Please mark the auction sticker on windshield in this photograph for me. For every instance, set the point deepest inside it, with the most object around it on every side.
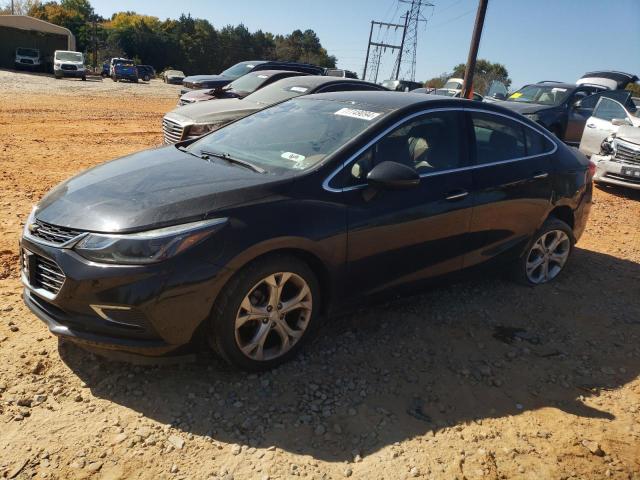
(356, 113)
(299, 89)
(294, 157)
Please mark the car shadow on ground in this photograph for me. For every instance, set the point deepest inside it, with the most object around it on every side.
(622, 192)
(408, 367)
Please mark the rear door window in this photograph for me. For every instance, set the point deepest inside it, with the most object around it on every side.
(497, 138)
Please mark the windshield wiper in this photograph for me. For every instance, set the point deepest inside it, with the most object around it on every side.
(184, 149)
(230, 159)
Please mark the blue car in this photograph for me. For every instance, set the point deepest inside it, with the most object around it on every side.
(122, 70)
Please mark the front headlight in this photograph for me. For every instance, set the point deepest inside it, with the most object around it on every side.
(146, 247)
(200, 129)
(532, 116)
(57, 64)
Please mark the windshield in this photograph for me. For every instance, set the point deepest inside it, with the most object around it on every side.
(453, 85)
(390, 84)
(176, 73)
(277, 92)
(444, 92)
(248, 83)
(239, 69)
(69, 56)
(27, 52)
(542, 94)
(294, 135)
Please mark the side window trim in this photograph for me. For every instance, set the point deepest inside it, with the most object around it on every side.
(326, 183)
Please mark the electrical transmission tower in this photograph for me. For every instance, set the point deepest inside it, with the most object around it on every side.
(380, 48)
(410, 39)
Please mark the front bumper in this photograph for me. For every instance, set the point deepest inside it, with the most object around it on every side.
(609, 171)
(150, 309)
(59, 72)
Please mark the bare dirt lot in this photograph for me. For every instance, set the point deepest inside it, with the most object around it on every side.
(416, 388)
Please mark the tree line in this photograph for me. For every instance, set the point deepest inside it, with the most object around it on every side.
(190, 44)
(484, 73)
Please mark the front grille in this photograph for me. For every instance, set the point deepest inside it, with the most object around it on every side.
(623, 178)
(42, 272)
(51, 233)
(69, 67)
(172, 131)
(26, 60)
(627, 154)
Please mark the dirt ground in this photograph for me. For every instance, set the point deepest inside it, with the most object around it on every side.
(416, 388)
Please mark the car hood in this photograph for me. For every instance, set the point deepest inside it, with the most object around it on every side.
(629, 133)
(150, 189)
(523, 108)
(209, 80)
(203, 112)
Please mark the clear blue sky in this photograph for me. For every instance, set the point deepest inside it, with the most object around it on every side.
(536, 40)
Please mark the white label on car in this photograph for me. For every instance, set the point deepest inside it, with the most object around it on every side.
(556, 89)
(356, 113)
(299, 89)
(263, 76)
(294, 157)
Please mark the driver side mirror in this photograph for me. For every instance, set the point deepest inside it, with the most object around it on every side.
(393, 176)
(499, 96)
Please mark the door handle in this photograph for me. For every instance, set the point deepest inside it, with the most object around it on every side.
(456, 194)
(591, 125)
(539, 175)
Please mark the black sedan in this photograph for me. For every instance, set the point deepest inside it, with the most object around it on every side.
(251, 234)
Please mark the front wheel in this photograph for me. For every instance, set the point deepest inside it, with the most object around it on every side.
(265, 313)
(547, 253)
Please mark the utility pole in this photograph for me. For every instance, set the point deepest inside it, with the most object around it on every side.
(13, 12)
(366, 60)
(404, 34)
(467, 85)
(380, 47)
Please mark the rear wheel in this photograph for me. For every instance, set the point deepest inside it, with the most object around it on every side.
(265, 313)
(84, 78)
(146, 78)
(547, 253)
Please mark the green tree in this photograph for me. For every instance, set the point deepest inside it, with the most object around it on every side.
(484, 73)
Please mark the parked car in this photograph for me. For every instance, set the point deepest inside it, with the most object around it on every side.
(249, 235)
(618, 161)
(191, 121)
(68, 64)
(117, 61)
(556, 106)
(610, 113)
(146, 72)
(173, 76)
(423, 90)
(445, 92)
(125, 71)
(338, 72)
(240, 87)
(401, 85)
(27, 59)
(104, 72)
(239, 69)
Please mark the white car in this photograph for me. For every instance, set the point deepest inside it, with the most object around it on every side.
(68, 64)
(27, 58)
(608, 115)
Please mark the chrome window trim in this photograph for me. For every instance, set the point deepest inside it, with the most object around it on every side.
(345, 164)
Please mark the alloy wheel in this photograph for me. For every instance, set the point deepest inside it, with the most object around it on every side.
(547, 256)
(273, 316)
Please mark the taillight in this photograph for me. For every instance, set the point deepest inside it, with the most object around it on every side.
(592, 168)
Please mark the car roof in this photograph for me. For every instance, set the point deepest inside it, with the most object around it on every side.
(314, 81)
(387, 100)
(275, 72)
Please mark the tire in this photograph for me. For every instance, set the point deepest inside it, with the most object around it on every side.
(543, 248)
(114, 78)
(84, 78)
(146, 78)
(228, 334)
